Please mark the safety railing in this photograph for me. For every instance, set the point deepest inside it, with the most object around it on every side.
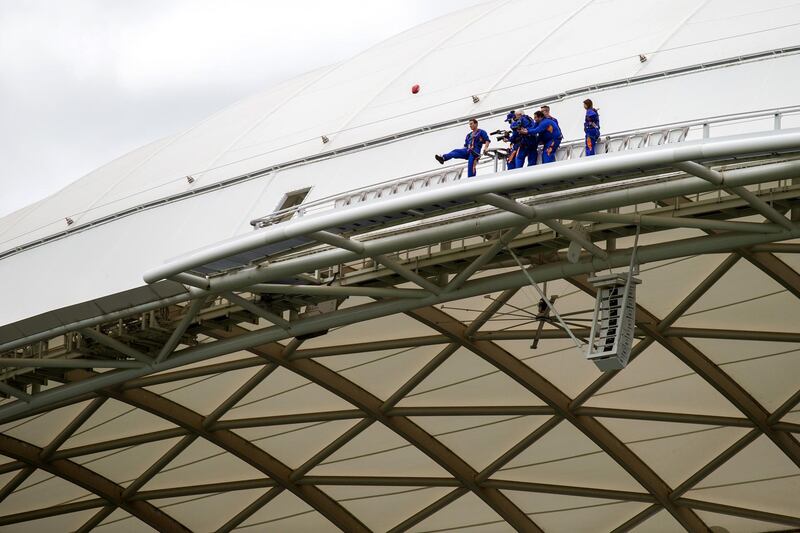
(676, 132)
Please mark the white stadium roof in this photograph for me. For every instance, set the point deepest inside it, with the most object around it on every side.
(363, 361)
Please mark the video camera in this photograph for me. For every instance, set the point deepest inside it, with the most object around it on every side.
(502, 135)
(514, 124)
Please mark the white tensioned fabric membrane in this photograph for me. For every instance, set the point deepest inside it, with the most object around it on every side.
(666, 412)
(506, 52)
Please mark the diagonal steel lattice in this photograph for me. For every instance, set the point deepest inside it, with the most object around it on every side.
(370, 409)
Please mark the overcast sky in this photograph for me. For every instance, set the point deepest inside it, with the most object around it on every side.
(85, 81)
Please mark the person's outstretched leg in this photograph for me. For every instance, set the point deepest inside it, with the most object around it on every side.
(458, 153)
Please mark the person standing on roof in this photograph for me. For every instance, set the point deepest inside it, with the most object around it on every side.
(522, 125)
(591, 126)
(476, 143)
(549, 135)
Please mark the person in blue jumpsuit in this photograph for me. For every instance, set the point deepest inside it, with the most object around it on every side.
(591, 126)
(522, 125)
(513, 140)
(549, 135)
(475, 143)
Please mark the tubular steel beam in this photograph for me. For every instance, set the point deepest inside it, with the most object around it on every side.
(237, 395)
(518, 448)
(718, 179)
(544, 390)
(424, 513)
(528, 213)
(637, 519)
(18, 479)
(483, 259)
(337, 290)
(577, 237)
(174, 451)
(678, 222)
(47, 512)
(95, 520)
(15, 392)
(330, 449)
(681, 418)
(733, 334)
(250, 510)
(35, 362)
(175, 338)
(700, 333)
(280, 420)
(405, 272)
(371, 346)
(257, 310)
(337, 241)
(116, 444)
(116, 345)
(777, 248)
(740, 512)
(206, 488)
(381, 481)
(487, 410)
(359, 248)
(715, 463)
(567, 490)
(775, 268)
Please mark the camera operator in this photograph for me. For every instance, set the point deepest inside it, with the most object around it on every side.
(522, 126)
(512, 138)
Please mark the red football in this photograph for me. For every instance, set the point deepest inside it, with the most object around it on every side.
(415, 89)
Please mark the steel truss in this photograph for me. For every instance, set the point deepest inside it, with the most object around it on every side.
(230, 311)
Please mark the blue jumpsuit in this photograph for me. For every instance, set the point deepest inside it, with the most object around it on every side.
(591, 126)
(550, 136)
(527, 145)
(473, 144)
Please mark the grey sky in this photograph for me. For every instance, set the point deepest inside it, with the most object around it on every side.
(85, 81)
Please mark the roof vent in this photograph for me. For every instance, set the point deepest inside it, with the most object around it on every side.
(190, 179)
(325, 139)
(642, 58)
(475, 99)
(69, 221)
